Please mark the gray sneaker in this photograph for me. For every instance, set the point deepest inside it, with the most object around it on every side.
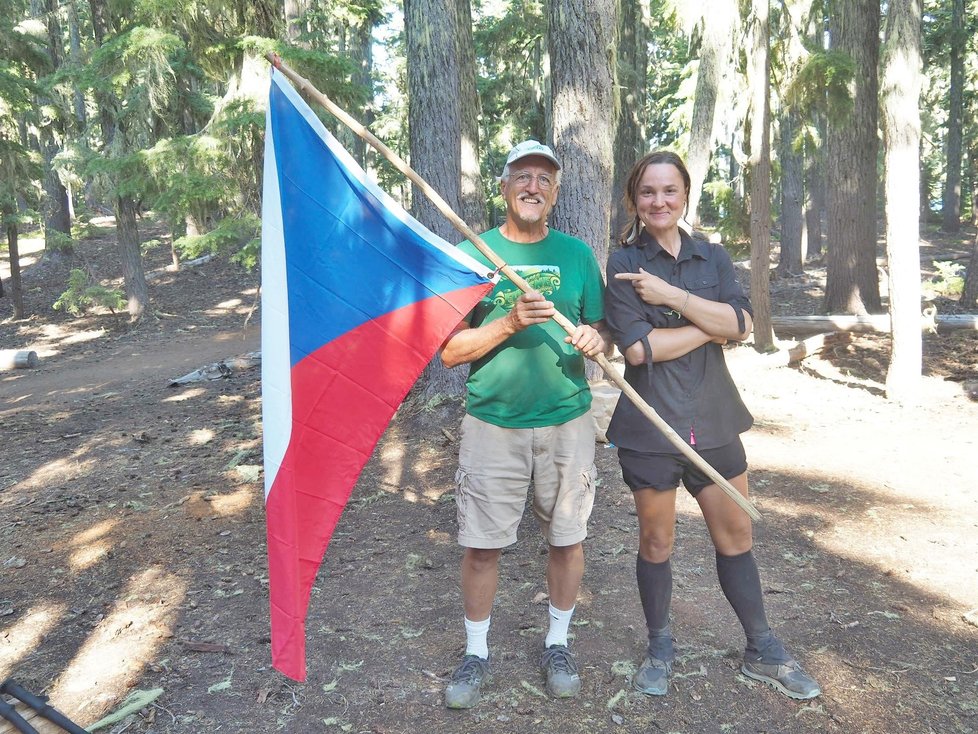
(788, 678)
(652, 677)
(563, 680)
(464, 689)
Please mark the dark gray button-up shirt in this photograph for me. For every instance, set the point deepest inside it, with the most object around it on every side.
(694, 393)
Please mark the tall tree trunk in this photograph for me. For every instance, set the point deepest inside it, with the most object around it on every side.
(293, 28)
(582, 36)
(792, 255)
(814, 198)
(473, 193)
(74, 44)
(16, 290)
(759, 173)
(361, 54)
(435, 133)
(951, 206)
(719, 24)
(57, 219)
(969, 297)
(127, 231)
(133, 275)
(902, 64)
(633, 59)
(852, 281)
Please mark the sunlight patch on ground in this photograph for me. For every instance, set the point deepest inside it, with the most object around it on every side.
(234, 305)
(200, 436)
(393, 459)
(194, 392)
(91, 545)
(233, 503)
(84, 336)
(117, 651)
(21, 638)
(30, 250)
(59, 471)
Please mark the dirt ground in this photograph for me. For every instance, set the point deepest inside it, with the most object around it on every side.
(132, 553)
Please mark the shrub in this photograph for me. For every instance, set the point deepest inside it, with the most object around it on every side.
(83, 294)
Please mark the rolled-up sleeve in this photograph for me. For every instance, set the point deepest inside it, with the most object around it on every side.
(624, 311)
(730, 290)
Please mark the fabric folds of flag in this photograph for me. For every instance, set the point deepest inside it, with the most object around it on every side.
(356, 299)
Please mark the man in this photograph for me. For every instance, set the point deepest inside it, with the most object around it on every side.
(527, 417)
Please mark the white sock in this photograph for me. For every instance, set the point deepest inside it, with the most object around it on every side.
(559, 622)
(476, 637)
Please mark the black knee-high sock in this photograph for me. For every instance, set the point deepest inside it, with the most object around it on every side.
(741, 584)
(655, 591)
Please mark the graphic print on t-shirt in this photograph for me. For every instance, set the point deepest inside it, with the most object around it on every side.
(544, 279)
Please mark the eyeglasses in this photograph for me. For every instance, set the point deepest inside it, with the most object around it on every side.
(544, 181)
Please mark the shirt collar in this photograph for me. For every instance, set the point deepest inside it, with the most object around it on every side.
(689, 248)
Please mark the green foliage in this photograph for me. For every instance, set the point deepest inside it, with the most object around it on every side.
(822, 85)
(230, 234)
(733, 221)
(510, 49)
(149, 246)
(84, 294)
(59, 241)
(669, 67)
(20, 174)
(948, 281)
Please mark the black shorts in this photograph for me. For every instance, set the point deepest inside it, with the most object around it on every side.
(663, 472)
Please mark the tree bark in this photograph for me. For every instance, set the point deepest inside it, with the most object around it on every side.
(55, 206)
(969, 297)
(127, 231)
(361, 54)
(16, 290)
(719, 24)
(435, 135)
(792, 251)
(74, 44)
(951, 206)
(293, 29)
(902, 64)
(581, 53)
(814, 199)
(759, 173)
(852, 281)
(133, 275)
(473, 192)
(632, 70)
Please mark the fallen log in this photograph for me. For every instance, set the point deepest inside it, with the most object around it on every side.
(746, 357)
(220, 370)
(878, 323)
(15, 359)
(170, 270)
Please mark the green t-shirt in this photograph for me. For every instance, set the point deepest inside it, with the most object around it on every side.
(534, 379)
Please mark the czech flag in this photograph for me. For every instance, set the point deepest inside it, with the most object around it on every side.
(356, 299)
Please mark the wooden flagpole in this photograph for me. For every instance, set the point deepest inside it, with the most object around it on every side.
(305, 87)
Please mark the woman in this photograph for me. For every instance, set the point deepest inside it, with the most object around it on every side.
(671, 303)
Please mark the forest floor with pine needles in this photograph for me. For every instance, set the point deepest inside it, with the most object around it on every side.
(132, 546)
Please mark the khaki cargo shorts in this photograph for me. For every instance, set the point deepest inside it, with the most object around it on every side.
(496, 467)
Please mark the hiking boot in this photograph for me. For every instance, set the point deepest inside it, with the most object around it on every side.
(561, 670)
(788, 678)
(652, 677)
(464, 689)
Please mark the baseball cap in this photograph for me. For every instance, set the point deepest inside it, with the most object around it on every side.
(532, 147)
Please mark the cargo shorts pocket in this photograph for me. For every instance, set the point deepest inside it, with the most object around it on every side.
(588, 477)
(461, 497)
